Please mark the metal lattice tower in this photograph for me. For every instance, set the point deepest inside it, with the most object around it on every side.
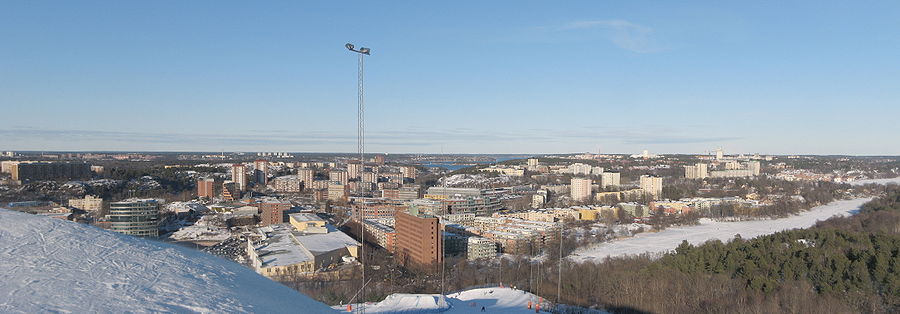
(360, 145)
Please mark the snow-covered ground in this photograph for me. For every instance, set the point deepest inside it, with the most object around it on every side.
(208, 228)
(494, 300)
(877, 181)
(666, 240)
(52, 265)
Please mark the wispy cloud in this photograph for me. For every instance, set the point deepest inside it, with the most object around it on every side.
(624, 34)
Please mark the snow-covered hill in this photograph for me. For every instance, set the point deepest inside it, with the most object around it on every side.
(51, 265)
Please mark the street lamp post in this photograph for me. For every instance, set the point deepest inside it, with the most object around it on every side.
(360, 145)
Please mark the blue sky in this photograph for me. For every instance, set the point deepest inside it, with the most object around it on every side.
(774, 77)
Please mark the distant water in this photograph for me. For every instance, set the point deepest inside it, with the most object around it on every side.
(451, 167)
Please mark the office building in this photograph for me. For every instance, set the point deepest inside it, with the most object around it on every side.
(652, 185)
(419, 240)
(135, 217)
(580, 189)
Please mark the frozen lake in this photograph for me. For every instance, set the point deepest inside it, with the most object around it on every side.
(663, 241)
(877, 181)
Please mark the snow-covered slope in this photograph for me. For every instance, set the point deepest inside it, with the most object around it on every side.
(51, 265)
(494, 300)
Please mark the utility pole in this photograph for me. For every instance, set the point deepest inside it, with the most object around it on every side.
(360, 145)
(559, 278)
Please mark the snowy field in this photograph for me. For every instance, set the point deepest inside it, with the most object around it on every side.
(494, 300)
(666, 240)
(57, 266)
(877, 181)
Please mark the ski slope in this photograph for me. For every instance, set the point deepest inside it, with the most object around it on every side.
(494, 300)
(52, 265)
(669, 239)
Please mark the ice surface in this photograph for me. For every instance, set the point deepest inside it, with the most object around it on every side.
(877, 181)
(52, 265)
(669, 239)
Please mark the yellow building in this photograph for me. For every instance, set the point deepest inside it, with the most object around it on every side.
(284, 251)
(307, 223)
(587, 214)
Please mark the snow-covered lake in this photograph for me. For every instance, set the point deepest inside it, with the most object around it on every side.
(663, 241)
(877, 181)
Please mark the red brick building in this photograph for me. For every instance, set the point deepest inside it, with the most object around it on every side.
(206, 188)
(419, 240)
(272, 213)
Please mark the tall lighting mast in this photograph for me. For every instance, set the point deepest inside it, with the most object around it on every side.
(360, 145)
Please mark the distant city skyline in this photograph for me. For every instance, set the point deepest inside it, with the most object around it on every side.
(523, 77)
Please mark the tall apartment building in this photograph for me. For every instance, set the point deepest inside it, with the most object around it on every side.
(754, 167)
(580, 189)
(697, 171)
(408, 172)
(206, 188)
(369, 177)
(239, 177)
(338, 192)
(339, 175)
(260, 172)
(533, 162)
(306, 176)
(135, 217)
(354, 169)
(610, 179)
(419, 240)
(272, 213)
(379, 159)
(652, 185)
(88, 203)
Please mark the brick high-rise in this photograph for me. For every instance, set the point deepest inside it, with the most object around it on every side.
(419, 240)
(272, 213)
(206, 188)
